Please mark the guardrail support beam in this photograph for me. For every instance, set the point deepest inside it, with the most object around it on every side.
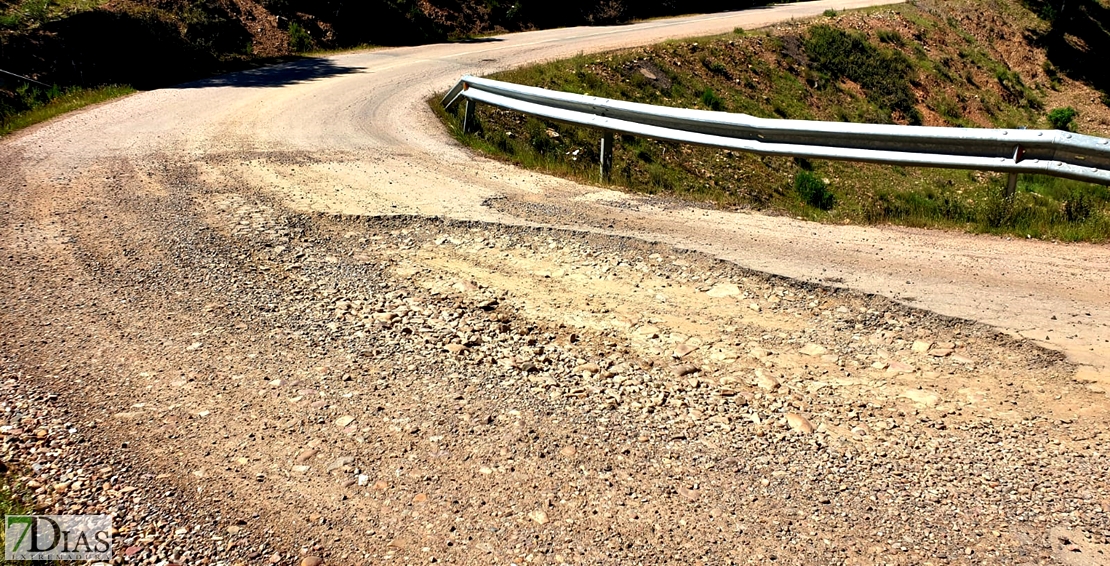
(468, 116)
(606, 155)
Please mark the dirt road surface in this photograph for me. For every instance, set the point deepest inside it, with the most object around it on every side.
(281, 318)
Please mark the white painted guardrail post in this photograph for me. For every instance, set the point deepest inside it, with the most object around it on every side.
(468, 116)
(606, 155)
(1012, 178)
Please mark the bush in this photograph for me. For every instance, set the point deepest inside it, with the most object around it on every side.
(1063, 118)
(884, 74)
(711, 100)
(830, 13)
(299, 39)
(813, 191)
(1078, 207)
(892, 37)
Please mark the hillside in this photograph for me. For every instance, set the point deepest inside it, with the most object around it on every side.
(149, 43)
(91, 50)
(999, 63)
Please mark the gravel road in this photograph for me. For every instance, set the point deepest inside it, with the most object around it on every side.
(279, 318)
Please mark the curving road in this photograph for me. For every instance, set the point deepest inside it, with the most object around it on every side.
(352, 134)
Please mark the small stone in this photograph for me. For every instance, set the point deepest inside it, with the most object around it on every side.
(927, 398)
(455, 348)
(568, 451)
(420, 498)
(899, 367)
(766, 382)
(588, 369)
(300, 469)
(963, 360)
(938, 353)
(755, 307)
(306, 455)
(879, 365)
(485, 470)
(683, 350)
(722, 290)
(312, 561)
(234, 530)
(363, 479)
(921, 346)
(691, 494)
(344, 421)
(684, 370)
(813, 350)
(799, 423)
(380, 486)
(538, 516)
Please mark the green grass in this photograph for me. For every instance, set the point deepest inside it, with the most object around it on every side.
(809, 72)
(33, 13)
(67, 101)
(13, 501)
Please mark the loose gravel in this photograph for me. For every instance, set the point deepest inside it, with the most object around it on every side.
(239, 384)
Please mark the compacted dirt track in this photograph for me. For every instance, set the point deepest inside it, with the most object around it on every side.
(278, 317)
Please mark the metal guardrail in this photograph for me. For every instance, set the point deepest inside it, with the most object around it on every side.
(1044, 152)
(28, 79)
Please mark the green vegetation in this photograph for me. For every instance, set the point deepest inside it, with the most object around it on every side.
(811, 71)
(35, 105)
(299, 39)
(813, 191)
(1063, 118)
(13, 501)
(884, 74)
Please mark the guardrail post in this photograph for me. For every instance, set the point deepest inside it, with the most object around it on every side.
(1012, 178)
(606, 155)
(1011, 185)
(468, 116)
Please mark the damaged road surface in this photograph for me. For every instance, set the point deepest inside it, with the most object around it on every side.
(239, 383)
(289, 321)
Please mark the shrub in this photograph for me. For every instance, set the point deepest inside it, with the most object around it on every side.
(1078, 207)
(892, 37)
(299, 39)
(830, 13)
(715, 67)
(1063, 118)
(813, 191)
(884, 74)
(711, 100)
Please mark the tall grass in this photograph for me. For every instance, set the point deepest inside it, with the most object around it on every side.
(52, 103)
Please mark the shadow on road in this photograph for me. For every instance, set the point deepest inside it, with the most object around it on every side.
(295, 72)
